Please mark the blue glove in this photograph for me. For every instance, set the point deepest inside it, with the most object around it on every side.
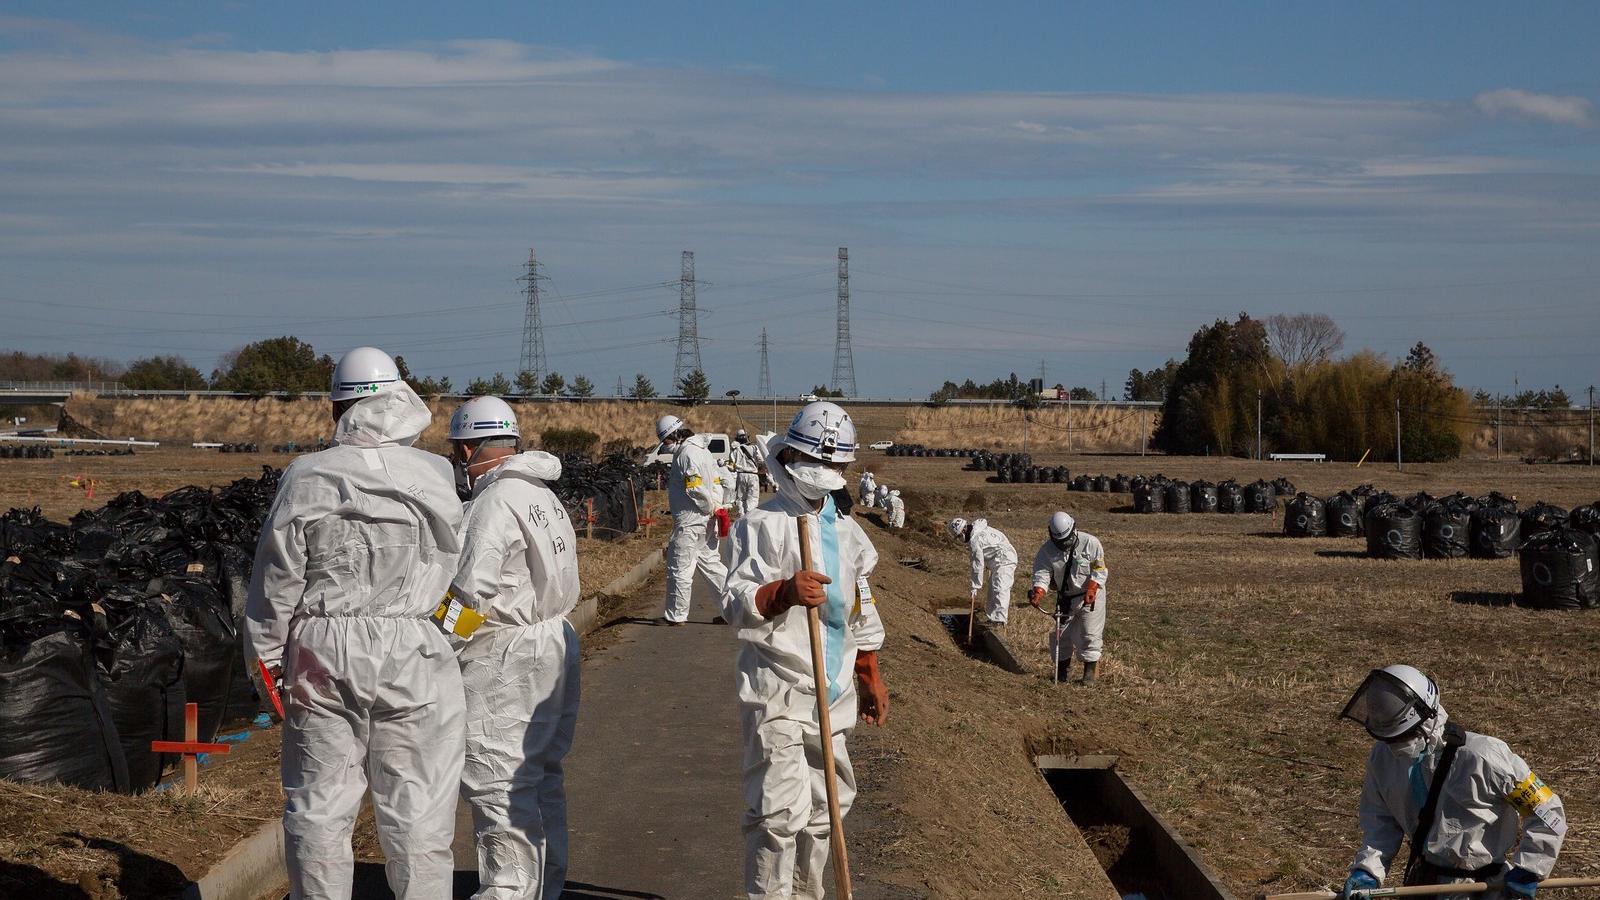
(1359, 880)
(1521, 884)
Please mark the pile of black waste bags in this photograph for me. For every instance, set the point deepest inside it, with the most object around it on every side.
(111, 623)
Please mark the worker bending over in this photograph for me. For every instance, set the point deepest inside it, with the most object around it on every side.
(897, 510)
(786, 823)
(694, 494)
(1463, 800)
(519, 570)
(1073, 563)
(869, 489)
(359, 547)
(988, 548)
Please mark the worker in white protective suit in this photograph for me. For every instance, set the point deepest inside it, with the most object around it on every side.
(519, 570)
(897, 510)
(356, 553)
(988, 548)
(694, 494)
(786, 824)
(1463, 800)
(869, 490)
(882, 500)
(1073, 564)
(747, 464)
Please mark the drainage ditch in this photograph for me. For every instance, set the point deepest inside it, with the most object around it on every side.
(1142, 855)
(987, 643)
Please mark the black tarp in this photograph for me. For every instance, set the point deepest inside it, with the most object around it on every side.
(1560, 570)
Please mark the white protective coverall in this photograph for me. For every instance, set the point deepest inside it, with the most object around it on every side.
(746, 461)
(694, 492)
(1068, 574)
(883, 496)
(869, 490)
(519, 567)
(988, 547)
(356, 553)
(897, 510)
(786, 813)
(1490, 801)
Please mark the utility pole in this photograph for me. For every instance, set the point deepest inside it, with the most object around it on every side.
(844, 364)
(1069, 421)
(1144, 440)
(1498, 414)
(1591, 424)
(619, 385)
(1399, 463)
(532, 324)
(1102, 390)
(688, 359)
(1258, 426)
(766, 373)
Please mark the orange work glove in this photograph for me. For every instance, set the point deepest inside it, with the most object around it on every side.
(872, 696)
(806, 588)
(1034, 596)
(1090, 593)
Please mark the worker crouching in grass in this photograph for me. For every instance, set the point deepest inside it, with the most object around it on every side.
(786, 819)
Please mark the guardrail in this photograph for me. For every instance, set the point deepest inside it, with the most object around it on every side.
(57, 387)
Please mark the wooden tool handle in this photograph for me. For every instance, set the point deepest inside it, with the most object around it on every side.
(1432, 890)
(819, 669)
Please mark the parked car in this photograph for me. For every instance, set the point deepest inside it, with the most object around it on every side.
(809, 398)
(881, 445)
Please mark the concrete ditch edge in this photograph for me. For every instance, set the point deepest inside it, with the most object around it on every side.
(254, 868)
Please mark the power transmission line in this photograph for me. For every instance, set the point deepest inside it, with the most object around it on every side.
(532, 325)
(844, 364)
(688, 358)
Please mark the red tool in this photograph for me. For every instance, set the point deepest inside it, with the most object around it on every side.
(269, 689)
(724, 523)
(190, 747)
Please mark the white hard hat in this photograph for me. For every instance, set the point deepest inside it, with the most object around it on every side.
(483, 417)
(363, 372)
(958, 527)
(668, 425)
(1062, 526)
(741, 433)
(1392, 701)
(824, 431)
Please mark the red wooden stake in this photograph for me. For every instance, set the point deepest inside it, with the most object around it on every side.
(190, 747)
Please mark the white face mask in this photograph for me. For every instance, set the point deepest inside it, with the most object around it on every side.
(1408, 749)
(814, 479)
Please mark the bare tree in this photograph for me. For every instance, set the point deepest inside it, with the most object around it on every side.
(1303, 338)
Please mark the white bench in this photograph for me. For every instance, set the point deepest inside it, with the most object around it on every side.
(1298, 457)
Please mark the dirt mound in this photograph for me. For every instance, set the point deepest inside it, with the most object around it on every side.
(1087, 427)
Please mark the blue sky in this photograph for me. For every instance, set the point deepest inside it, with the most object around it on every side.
(1078, 184)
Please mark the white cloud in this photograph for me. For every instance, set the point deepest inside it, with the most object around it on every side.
(1512, 103)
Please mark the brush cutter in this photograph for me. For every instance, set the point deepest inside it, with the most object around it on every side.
(1429, 890)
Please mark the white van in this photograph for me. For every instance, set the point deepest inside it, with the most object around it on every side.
(720, 446)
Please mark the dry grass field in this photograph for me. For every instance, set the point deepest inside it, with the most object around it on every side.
(1230, 650)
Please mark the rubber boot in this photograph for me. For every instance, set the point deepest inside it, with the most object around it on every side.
(1088, 673)
(1064, 671)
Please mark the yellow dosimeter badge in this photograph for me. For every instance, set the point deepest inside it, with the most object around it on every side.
(456, 618)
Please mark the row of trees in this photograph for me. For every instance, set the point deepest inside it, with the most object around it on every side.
(1307, 399)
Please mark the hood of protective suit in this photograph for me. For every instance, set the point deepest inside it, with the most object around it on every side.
(1433, 729)
(394, 415)
(976, 526)
(530, 465)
